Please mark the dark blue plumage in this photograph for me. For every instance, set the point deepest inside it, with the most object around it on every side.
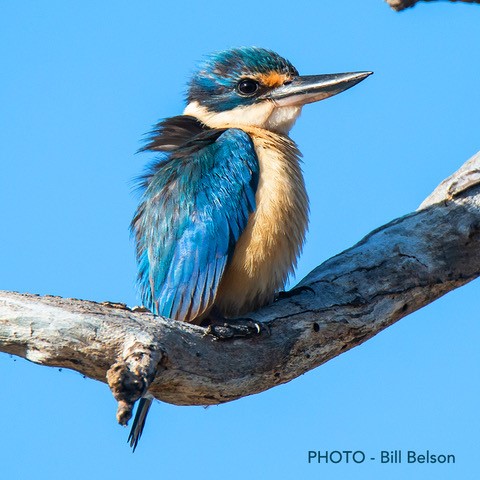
(217, 77)
(196, 203)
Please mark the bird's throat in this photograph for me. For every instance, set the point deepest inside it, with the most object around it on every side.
(265, 115)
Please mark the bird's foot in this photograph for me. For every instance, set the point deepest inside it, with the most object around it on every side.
(293, 292)
(228, 329)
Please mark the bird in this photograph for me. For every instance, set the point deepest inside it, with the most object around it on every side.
(224, 210)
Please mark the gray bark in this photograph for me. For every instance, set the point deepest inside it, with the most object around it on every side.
(393, 271)
(399, 5)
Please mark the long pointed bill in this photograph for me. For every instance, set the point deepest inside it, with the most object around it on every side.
(312, 88)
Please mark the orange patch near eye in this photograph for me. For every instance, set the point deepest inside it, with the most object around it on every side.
(272, 79)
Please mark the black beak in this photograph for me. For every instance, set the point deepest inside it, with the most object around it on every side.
(312, 88)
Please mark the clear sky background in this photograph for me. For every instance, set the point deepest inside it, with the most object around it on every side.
(81, 82)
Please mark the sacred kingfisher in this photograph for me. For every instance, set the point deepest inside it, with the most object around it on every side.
(224, 210)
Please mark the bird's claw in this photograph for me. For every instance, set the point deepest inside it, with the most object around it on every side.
(293, 292)
(236, 328)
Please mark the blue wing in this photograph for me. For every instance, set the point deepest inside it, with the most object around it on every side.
(195, 206)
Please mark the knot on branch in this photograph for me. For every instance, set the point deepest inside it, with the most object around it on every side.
(130, 377)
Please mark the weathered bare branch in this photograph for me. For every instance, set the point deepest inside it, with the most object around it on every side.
(399, 5)
(392, 272)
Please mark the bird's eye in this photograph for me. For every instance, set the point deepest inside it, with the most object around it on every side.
(247, 87)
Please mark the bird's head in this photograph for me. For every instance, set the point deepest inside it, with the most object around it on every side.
(252, 86)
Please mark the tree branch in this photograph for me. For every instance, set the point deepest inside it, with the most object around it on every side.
(399, 5)
(392, 272)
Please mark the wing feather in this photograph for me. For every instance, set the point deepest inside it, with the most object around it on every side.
(195, 206)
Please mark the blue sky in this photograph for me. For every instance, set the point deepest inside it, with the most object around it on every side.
(81, 82)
